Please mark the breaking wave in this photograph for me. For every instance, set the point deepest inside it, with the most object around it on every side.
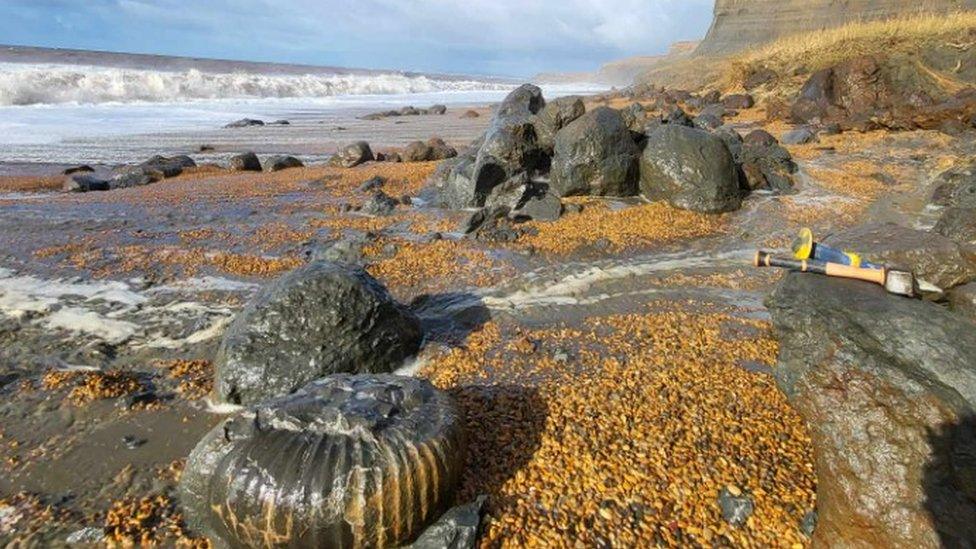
(58, 84)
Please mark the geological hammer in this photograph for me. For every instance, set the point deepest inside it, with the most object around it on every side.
(894, 282)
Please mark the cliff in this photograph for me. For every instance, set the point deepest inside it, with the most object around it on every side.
(739, 24)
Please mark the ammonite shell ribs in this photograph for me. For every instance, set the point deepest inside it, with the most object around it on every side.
(347, 461)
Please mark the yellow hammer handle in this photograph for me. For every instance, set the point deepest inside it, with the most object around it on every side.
(858, 273)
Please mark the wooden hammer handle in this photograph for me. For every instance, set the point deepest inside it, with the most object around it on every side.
(877, 276)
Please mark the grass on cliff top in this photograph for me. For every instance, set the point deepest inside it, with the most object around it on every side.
(817, 50)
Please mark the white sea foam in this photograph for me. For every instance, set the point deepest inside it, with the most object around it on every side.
(35, 84)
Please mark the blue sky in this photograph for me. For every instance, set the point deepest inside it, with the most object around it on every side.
(503, 37)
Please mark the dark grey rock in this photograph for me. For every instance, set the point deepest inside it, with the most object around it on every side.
(282, 162)
(372, 184)
(245, 162)
(134, 177)
(962, 300)
(456, 529)
(281, 123)
(380, 204)
(595, 155)
(958, 224)
(347, 250)
(555, 116)
(244, 123)
(454, 181)
(678, 117)
(84, 168)
(799, 136)
(437, 109)
(252, 477)
(635, 118)
(736, 510)
(512, 193)
(707, 122)
(931, 256)
(169, 167)
(545, 207)
(320, 319)
(691, 169)
(887, 386)
(83, 183)
(766, 164)
(352, 155)
(956, 187)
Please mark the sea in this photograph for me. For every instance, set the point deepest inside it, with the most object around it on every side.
(66, 107)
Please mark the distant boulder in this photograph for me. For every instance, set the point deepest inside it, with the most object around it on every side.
(244, 123)
(352, 155)
(738, 101)
(246, 162)
(282, 162)
(434, 149)
(83, 183)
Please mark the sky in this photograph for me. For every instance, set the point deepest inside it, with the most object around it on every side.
(498, 37)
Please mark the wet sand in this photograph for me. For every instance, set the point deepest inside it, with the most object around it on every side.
(614, 367)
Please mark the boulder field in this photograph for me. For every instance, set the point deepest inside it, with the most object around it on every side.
(533, 149)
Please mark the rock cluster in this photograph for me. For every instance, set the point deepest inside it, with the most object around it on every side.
(870, 93)
(406, 111)
(346, 461)
(152, 170)
(537, 152)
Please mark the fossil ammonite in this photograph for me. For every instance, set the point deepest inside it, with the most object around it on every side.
(346, 461)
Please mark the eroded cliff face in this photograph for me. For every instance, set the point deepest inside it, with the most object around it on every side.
(739, 24)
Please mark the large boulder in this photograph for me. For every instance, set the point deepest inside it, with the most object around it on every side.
(281, 162)
(958, 224)
(691, 169)
(347, 461)
(555, 116)
(247, 162)
(887, 386)
(595, 155)
(320, 319)
(83, 183)
(510, 146)
(765, 164)
(352, 155)
(434, 149)
(929, 255)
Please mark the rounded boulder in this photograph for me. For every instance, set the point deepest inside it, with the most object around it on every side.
(320, 319)
(595, 155)
(691, 169)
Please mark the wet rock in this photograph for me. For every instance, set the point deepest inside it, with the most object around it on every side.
(478, 219)
(433, 149)
(509, 146)
(738, 101)
(512, 193)
(248, 162)
(707, 122)
(962, 300)
(929, 255)
(244, 123)
(83, 183)
(169, 167)
(766, 164)
(678, 117)
(352, 494)
(635, 118)
(134, 177)
(555, 116)
(691, 169)
(282, 162)
(346, 250)
(736, 507)
(799, 136)
(84, 168)
(887, 386)
(545, 207)
(372, 184)
(352, 155)
(456, 529)
(958, 224)
(380, 204)
(320, 319)
(955, 187)
(595, 155)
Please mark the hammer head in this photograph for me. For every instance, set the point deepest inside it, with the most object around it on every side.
(901, 283)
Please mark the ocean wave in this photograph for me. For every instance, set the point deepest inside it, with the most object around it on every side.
(58, 84)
